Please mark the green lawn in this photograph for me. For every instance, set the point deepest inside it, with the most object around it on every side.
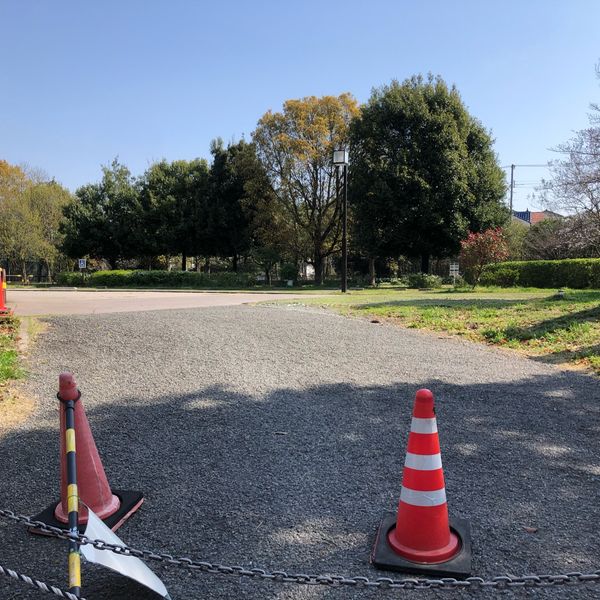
(9, 360)
(533, 321)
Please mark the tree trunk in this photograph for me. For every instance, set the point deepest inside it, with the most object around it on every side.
(268, 275)
(372, 273)
(425, 262)
(318, 265)
(234, 262)
(197, 264)
(24, 271)
(49, 270)
(207, 264)
(184, 262)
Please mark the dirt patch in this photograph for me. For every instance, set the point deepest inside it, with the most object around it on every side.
(15, 407)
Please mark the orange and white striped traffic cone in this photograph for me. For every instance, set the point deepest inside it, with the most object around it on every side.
(421, 537)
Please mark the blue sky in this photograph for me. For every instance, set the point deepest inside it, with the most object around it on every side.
(83, 82)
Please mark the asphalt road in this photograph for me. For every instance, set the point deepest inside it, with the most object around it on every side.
(80, 302)
(275, 438)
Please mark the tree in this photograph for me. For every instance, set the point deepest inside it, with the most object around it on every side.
(480, 249)
(295, 147)
(231, 170)
(515, 234)
(30, 216)
(575, 184)
(570, 237)
(174, 199)
(49, 200)
(105, 219)
(423, 172)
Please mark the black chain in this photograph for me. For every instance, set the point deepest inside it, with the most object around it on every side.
(473, 583)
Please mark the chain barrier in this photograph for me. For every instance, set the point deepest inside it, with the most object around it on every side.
(36, 583)
(500, 582)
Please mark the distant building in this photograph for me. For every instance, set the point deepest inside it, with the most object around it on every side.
(533, 217)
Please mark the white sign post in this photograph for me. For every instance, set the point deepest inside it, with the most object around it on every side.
(454, 271)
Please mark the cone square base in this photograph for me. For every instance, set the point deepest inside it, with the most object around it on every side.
(384, 557)
(130, 502)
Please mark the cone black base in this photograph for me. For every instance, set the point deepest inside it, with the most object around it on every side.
(130, 502)
(459, 566)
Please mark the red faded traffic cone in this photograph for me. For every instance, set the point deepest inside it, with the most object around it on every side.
(4, 310)
(113, 507)
(421, 537)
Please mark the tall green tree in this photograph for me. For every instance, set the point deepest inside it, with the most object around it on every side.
(104, 220)
(295, 147)
(49, 200)
(423, 172)
(174, 197)
(231, 170)
(247, 218)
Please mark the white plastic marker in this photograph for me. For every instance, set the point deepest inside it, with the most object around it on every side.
(130, 566)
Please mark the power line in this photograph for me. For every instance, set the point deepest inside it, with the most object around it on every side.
(512, 178)
(512, 166)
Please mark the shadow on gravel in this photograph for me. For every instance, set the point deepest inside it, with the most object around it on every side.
(299, 479)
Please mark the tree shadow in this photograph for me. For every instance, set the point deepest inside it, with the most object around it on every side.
(298, 479)
(554, 324)
(444, 302)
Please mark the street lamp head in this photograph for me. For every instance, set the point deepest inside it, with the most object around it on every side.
(340, 157)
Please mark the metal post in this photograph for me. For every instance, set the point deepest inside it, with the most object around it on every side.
(345, 233)
(512, 186)
(72, 496)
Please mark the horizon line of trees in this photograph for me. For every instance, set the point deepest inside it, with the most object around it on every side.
(423, 175)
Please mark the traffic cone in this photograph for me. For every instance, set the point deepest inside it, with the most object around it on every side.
(4, 310)
(421, 537)
(114, 507)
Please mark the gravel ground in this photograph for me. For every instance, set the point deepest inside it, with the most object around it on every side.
(275, 438)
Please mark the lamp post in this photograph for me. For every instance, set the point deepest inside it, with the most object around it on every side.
(340, 162)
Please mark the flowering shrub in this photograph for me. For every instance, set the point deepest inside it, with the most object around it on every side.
(480, 249)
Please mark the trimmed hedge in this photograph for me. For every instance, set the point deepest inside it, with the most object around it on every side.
(573, 273)
(158, 279)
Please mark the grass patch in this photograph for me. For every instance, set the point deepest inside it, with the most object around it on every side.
(533, 321)
(9, 359)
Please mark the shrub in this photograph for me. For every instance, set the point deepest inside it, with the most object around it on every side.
(423, 280)
(71, 279)
(575, 273)
(502, 274)
(160, 279)
(480, 249)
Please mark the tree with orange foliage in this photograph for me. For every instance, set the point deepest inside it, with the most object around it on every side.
(296, 148)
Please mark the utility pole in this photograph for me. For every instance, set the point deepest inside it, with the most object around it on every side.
(512, 186)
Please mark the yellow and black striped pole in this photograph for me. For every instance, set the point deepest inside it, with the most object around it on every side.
(72, 496)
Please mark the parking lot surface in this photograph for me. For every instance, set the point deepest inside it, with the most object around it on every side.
(275, 437)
